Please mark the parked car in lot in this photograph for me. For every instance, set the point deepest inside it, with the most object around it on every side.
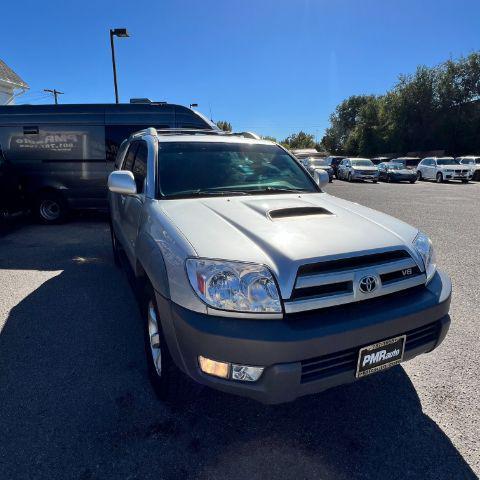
(315, 163)
(409, 163)
(352, 169)
(443, 169)
(256, 282)
(473, 162)
(61, 155)
(334, 162)
(395, 172)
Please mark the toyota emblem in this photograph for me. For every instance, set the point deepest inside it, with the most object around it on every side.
(368, 284)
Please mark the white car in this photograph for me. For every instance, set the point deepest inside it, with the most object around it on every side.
(442, 169)
(473, 162)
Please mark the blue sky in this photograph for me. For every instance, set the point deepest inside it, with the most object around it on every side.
(271, 66)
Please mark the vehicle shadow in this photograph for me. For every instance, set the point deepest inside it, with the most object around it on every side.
(75, 400)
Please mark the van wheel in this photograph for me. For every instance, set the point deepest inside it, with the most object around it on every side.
(439, 177)
(162, 371)
(51, 208)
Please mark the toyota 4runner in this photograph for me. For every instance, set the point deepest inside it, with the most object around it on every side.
(255, 281)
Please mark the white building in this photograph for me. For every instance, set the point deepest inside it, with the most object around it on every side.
(11, 85)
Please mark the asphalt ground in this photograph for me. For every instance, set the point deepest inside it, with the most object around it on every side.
(75, 402)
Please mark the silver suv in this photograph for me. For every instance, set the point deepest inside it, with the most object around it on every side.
(443, 169)
(254, 281)
(352, 169)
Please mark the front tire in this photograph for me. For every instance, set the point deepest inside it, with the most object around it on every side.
(439, 178)
(419, 176)
(164, 375)
(51, 208)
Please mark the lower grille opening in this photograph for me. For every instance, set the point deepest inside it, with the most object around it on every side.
(346, 361)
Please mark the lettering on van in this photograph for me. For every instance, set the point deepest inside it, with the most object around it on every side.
(55, 142)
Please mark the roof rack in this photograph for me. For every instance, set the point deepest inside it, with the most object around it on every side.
(191, 131)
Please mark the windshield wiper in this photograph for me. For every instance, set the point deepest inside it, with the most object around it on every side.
(208, 193)
(281, 190)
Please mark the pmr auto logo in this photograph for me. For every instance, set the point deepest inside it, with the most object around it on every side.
(368, 284)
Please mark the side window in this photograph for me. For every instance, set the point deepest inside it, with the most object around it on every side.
(130, 156)
(140, 166)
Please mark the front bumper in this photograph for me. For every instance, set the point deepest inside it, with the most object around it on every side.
(308, 352)
(457, 176)
(402, 177)
(364, 176)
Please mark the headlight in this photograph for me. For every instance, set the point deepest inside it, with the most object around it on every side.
(234, 286)
(423, 245)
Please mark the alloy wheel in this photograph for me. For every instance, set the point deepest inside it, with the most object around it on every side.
(154, 336)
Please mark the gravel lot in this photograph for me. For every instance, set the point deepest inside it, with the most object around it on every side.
(75, 400)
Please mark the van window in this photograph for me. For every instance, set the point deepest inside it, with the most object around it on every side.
(53, 143)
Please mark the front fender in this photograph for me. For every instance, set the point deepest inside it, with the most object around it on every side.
(151, 259)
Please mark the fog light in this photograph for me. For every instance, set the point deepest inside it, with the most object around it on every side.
(211, 367)
(246, 373)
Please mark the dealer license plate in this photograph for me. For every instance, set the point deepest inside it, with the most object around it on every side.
(379, 356)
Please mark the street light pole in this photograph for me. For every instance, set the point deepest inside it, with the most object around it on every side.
(117, 32)
(55, 92)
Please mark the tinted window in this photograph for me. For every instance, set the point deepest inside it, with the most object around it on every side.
(447, 161)
(139, 169)
(54, 143)
(189, 120)
(130, 156)
(116, 134)
(189, 168)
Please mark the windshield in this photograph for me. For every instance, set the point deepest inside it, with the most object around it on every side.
(362, 163)
(395, 166)
(318, 161)
(201, 168)
(447, 161)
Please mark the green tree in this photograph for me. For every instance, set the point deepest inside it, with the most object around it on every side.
(299, 140)
(436, 108)
(224, 125)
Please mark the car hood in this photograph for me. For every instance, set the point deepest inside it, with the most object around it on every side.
(280, 231)
(452, 167)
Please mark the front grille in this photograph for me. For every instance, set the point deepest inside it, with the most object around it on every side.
(349, 263)
(390, 277)
(346, 361)
(336, 282)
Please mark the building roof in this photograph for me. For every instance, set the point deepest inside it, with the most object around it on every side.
(9, 76)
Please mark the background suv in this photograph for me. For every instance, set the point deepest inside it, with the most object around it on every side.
(313, 163)
(443, 169)
(474, 163)
(351, 169)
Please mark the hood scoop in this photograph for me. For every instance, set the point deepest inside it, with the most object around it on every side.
(292, 212)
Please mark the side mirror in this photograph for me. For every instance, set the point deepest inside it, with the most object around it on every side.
(122, 181)
(321, 177)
